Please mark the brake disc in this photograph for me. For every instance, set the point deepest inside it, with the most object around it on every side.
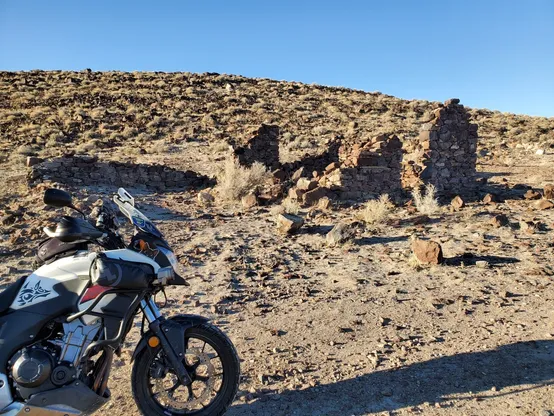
(203, 361)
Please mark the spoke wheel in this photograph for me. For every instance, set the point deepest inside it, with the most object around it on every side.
(212, 363)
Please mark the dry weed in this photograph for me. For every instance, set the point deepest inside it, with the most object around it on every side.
(236, 181)
(376, 211)
(426, 204)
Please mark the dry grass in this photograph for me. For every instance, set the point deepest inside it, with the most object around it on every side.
(376, 211)
(427, 203)
(236, 181)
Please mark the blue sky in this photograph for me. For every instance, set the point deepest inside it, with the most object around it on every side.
(489, 53)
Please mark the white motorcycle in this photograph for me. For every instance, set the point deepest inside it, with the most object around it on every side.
(61, 326)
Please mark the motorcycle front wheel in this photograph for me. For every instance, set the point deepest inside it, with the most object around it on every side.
(213, 364)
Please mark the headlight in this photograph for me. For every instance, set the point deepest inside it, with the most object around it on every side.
(172, 259)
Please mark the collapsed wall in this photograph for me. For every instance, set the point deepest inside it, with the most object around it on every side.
(84, 170)
(261, 146)
(367, 168)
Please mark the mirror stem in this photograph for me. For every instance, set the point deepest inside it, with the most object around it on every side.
(78, 210)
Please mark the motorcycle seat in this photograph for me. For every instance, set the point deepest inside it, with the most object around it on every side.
(8, 295)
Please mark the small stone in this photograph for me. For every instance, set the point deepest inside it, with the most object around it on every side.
(288, 223)
(489, 199)
(482, 264)
(295, 193)
(300, 173)
(331, 167)
(540, 152)
(457, 203)
(544, 204)
(427, 252)
(32, 161)
(500, 220)
(340, 233)
(549, 191)
(306, 184)
(324, 203)
(205, 198)
(527, 226)
(249, 201)
(530, 194)
(312, 197)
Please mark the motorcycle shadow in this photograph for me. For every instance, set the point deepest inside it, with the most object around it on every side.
(525, 365)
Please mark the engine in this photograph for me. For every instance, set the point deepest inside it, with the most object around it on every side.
(51, 363)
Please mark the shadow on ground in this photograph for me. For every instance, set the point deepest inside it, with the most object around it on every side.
(524, 365)
(470, 259)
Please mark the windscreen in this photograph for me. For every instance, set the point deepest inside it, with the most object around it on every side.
(137, 218)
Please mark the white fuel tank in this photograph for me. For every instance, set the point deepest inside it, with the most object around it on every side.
(72, 272)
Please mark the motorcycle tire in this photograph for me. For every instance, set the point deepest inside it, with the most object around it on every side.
(141, 375)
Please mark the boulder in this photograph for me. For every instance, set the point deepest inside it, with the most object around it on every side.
(549, 191)
(457, 203)
(427, 251)
(249, 201)
(288, 223)
(340, 233)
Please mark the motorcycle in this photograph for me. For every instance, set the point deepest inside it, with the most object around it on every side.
(61, 326)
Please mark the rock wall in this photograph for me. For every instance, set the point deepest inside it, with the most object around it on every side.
(367, 168)
(83, 170)
(444, 154)
(262, 146)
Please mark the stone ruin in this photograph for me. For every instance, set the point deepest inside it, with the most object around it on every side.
(84, 170)
(445, 153)
(262, 146)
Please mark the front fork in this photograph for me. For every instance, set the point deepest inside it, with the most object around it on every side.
(171, 336)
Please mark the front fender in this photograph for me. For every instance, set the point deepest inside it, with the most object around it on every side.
(185, 321)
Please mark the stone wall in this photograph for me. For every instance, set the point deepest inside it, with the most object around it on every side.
(444, 154)
(83, 170)
(367, 168)
(261, 146)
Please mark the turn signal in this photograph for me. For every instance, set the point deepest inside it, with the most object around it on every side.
(153, 342)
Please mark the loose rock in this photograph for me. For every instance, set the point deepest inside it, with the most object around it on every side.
(544, 204)
(549, 191)
(427, 252)
(530, 194)
(340, 233)
(288, 223)
(457, 203)
(249, 201)
(500, 220)
(205, 198)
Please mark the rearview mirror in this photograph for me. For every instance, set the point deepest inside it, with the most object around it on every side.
(57, 198)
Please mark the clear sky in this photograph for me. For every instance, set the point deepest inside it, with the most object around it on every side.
(489, 53)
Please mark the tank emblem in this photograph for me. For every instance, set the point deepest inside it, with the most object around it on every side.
(29, 294)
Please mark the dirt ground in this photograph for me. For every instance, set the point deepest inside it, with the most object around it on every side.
(359, 329)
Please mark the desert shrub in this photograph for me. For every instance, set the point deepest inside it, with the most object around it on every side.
(426, 204)
(290, 206)
(25, 150)
(376, 211)
(236, 181)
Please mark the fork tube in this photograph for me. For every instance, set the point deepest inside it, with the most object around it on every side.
(150, 310)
